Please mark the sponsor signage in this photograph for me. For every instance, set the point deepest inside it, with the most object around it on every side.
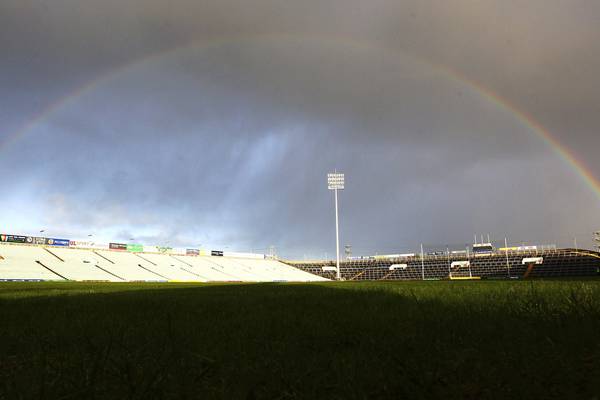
(533, 260)
(528, 248)
(39, 240)
(14, 238)
(135, 248)
(192, 252)
(216, 253)
(460, 264)
(150, 249)
(179, 251)
(57, 242)
(117, 246)
(81, 244)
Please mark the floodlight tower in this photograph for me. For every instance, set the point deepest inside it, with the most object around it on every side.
(335, 182)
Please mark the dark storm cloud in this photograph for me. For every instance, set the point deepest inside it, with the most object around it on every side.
(230, 145)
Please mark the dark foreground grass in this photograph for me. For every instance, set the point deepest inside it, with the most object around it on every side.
(517, 339)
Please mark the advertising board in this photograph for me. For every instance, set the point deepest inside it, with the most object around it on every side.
(216, 253)
(39, 240)
(386, 256)
(57, 242)
(135, 248)
(192, 252)
(178, 251)
(533, 260)
(150, 249)
(13, 238)
(117, 246)
(81, 244)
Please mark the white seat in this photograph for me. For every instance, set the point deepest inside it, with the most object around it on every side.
(81, 265)
(19, 263)
(130, 267)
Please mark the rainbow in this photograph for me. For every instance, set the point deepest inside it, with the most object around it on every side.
(567, 155)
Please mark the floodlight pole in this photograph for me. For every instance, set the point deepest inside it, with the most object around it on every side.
(337, 238)
(335, 181)
(422, 263)
(506, 250)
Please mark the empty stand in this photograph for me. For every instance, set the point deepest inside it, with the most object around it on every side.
(278, 271)
(81, 265)
(129, 266)
(27, 263)
(233, 268)
(202, 266)
(172, 268)
(502, 265)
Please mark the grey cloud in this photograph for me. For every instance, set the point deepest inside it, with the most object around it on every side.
(231, 143)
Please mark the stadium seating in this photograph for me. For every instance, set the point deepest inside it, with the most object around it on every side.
(80, 265)
(130, 267)
(172, 269)
(232, 266)
(500, 264)
(30, 262)
(202, 266)
(26, 263)
(280, 271)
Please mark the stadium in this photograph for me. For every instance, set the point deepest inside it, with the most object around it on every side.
(176, 223)
(27, 258)
(50, 259)
(89, 320)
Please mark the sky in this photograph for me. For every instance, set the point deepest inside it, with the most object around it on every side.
(214, 123)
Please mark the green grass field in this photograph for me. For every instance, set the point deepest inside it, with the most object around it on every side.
(352, 340)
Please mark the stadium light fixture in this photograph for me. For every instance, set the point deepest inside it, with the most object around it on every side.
(335, 182)
(507, 261)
